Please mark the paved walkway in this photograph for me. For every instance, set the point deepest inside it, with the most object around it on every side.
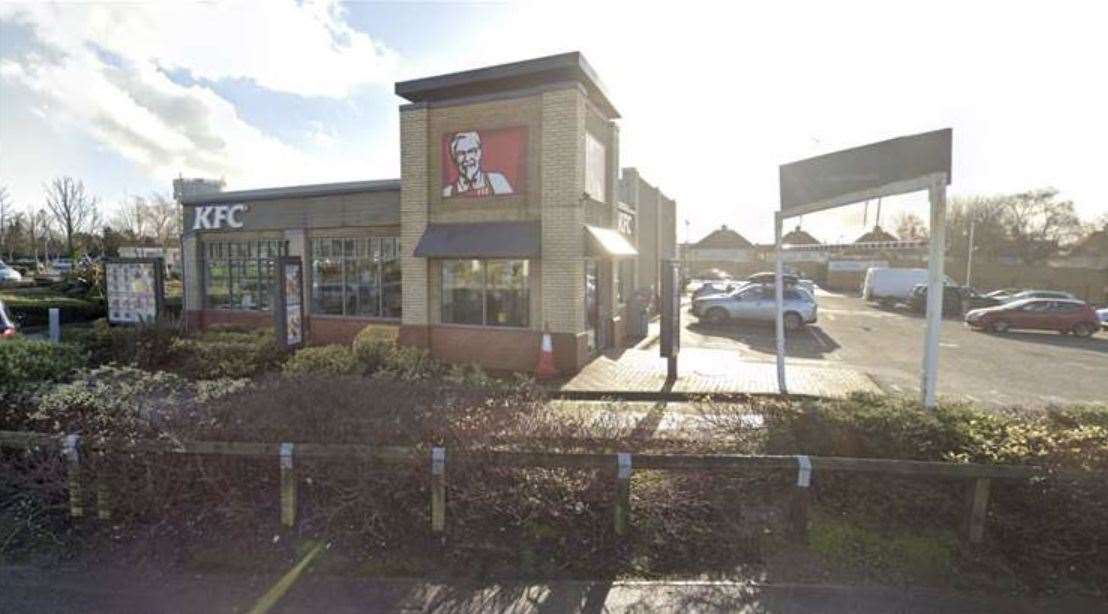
(710, 371)
(101, 590)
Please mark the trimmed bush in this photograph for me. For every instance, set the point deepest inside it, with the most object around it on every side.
(372, 346)
(33, 308)
(225, 353)
(24, 362)
(410, 363)
(323, 360)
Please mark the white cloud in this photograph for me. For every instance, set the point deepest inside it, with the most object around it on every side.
(101, 69)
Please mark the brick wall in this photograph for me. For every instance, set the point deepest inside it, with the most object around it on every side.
(495, 349)
(563, 182)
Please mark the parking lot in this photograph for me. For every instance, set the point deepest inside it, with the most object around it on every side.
(1032, 368)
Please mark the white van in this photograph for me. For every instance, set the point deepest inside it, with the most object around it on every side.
(888, 286)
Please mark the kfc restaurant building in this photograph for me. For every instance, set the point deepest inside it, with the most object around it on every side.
(503, 224)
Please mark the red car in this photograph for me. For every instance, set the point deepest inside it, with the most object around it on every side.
(1062, 315)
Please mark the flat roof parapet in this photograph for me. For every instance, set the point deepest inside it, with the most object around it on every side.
(297, 191)
(561, 68)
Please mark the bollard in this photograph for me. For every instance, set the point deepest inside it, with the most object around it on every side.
(72, 453)
(438, 490)
(55, 325)
(800, 500)
(623, 493)
(288, 487)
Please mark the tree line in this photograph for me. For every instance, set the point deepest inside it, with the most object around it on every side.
(69, 222)
(1031, 226)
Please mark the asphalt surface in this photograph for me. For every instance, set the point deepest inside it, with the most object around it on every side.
(1033, 368)
(71, 591)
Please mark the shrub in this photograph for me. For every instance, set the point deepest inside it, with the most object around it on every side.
(410, 363)
(33, 308)
(147, 346)
(24, 362)
(323, 360)
(123, 402)
(227, 353)
(372, 346)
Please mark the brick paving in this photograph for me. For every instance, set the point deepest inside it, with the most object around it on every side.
(710, 371)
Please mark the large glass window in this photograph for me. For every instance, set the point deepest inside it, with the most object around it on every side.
(485, 292)
(356, 277)
(239, 274)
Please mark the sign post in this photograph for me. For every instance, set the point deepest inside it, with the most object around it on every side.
(670, 338)
(288, 303)
(135, 288)
(897, 166)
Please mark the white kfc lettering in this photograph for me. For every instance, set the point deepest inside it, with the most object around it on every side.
(215, 216)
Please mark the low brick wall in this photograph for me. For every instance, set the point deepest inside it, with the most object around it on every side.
(497, 349)
(324, 330)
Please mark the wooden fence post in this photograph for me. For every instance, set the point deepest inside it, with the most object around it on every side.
(438, 490)
(977, 502)
(288, 487)
(72, 454)
(103, 497)
(623, 493)
(800, 500)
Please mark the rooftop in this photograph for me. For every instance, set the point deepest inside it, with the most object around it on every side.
(724, 238)
(563, 67)
(296, 191)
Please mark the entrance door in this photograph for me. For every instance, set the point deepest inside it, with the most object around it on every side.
(592, 304)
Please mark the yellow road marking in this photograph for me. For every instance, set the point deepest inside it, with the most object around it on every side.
(274, 594)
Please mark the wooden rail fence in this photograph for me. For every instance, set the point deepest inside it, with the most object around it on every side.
(978, 477)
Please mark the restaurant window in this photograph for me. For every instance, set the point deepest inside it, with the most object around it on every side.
(485, 292)
(356, 277)
(239, 274)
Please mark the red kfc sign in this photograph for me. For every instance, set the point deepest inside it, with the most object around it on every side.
(478, 163)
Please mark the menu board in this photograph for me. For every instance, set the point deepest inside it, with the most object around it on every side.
(289, 311)
(134, 289)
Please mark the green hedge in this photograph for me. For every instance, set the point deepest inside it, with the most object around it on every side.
(24, 362)
(33, 309)
(324, 360)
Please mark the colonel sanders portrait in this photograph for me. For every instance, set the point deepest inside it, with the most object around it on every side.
(473, 179)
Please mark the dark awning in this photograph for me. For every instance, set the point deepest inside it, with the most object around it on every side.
(608, 242)
(481, 240)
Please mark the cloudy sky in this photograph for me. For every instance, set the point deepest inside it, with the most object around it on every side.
(714, 97)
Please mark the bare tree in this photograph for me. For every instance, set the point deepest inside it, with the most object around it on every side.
(72, 207)
(910, 226)
(165, 218)
(1038, 224)
(132, 217)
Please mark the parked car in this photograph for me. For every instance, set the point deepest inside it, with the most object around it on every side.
(1019, 296)
(890, 286)
(1062, 315)
(707, 289)
(1003, 294)
(953, 296)
(62, 265)
(8, 274)
(7, 325)
(1103, 315)
(769, 278)
(757, 303)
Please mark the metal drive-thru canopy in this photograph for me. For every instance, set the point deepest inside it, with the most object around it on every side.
(896, 166)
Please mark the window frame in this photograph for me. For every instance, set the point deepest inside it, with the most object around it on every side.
(237, 256)
(484, 293)
(364, 249)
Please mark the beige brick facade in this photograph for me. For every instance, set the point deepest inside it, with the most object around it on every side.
(414, 190)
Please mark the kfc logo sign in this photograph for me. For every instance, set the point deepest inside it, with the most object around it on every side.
(211, 217)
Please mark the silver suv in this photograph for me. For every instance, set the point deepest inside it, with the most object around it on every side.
(757, 303)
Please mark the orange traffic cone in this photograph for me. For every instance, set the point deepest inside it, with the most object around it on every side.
(545, 368)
